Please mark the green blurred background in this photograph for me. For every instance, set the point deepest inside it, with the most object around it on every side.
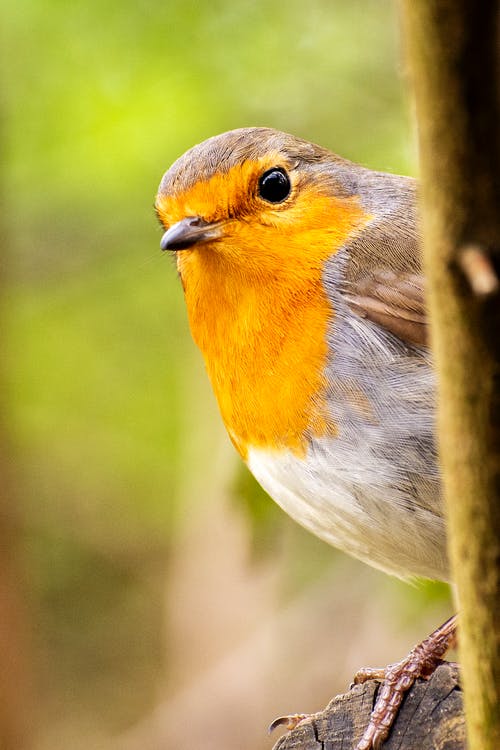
(169, 603)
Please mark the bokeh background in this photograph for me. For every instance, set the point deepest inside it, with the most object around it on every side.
(166, 602)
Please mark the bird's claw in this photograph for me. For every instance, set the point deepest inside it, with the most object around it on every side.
(290, 721)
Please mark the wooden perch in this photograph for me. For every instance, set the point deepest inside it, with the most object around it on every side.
(431, 718)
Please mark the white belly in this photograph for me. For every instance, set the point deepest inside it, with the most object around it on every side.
(358, 507)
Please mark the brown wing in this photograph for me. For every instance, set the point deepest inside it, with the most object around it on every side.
(394, 300)
(384, 281)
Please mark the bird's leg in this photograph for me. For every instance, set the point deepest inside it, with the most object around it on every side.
(397, 678)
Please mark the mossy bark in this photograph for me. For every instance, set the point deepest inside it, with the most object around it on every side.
(453, 51)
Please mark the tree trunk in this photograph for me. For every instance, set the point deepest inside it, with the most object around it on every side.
(453, 52)
(15, 690)
(15, 686)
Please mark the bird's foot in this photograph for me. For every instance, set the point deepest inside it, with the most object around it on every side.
(398, 678)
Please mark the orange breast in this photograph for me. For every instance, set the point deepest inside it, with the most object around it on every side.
(259, 313)
(262, 324)
(265, 350)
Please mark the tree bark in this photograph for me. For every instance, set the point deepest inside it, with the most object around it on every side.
(431, 717)
(452, 48)
(15, 681)
(15, 685)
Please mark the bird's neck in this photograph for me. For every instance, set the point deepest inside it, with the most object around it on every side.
(264, 344)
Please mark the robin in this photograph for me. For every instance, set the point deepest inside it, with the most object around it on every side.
(304, 290)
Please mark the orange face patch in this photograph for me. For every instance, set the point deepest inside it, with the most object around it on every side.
(256, 302)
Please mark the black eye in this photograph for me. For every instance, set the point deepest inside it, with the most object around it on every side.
(274, 185)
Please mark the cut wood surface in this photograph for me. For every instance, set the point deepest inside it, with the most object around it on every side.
(431, 718)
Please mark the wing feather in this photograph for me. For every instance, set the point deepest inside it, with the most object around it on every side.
(384, 282)
(394, 301)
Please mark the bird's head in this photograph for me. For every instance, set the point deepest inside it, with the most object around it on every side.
(261, 201)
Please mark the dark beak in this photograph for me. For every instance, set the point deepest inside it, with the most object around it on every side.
(192, 230)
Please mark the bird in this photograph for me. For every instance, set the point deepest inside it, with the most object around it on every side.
(304, 290)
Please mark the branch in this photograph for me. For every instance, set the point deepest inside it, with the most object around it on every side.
(431, 717)
(454, 60)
